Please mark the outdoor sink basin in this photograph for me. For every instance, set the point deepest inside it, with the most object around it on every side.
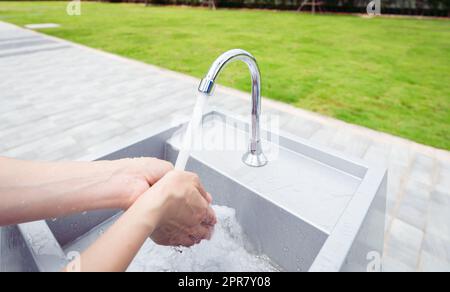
(308, 209)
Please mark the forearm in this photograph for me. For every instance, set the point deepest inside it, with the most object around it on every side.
(114, 250)
(30, 203)
(20, 173)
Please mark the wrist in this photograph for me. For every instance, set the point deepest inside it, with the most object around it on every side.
(118, 185)
(147, 212)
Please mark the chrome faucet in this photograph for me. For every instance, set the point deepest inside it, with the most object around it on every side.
(254, 156)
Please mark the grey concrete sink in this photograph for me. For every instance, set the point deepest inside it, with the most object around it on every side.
(309, 209)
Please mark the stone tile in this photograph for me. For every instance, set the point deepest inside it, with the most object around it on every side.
(437, 246)
(397, 175)
(430, 263)
(238, 105)
(14, 103)
(401, 155)
(414, 206)
(388, 222)
(440, 197)
(301, 127)
(418, 190)
(31, 51)
(110, 145)
(96, 132)
(22, 116)
(377, 155)
(393, 191)
(48, 148)
(404, 243)
(423, 169)
(391, 265)
(439, 220)
(443, 180)
(24, 134)
(350, 144)
(391, 207)
(323, 136)
(67, 120)
(24, 43)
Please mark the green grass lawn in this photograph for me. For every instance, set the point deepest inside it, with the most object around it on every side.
(389, 74)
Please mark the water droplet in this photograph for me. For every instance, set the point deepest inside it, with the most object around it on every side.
(178, 249)
(54, 219)
(84, 213)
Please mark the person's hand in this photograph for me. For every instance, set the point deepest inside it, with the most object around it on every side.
(135, 176)
(148, 168)
(182, 210)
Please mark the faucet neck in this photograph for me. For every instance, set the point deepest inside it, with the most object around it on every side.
(207, 85)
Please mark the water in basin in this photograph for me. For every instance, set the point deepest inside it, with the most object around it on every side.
(228, 250)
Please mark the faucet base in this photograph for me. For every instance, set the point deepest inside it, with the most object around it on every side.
(254, 159)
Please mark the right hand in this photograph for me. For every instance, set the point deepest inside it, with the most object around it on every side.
(184, 216)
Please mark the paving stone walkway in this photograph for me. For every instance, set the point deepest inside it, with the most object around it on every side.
(59, 100)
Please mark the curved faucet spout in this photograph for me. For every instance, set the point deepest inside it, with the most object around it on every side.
(255, 156)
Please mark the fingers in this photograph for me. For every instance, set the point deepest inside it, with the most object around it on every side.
(155, 169)
(187, 210)
(166, 165)
(188, 237)
(162, 168)
(207, 196)
(205, 215)
(184, 175)
(210, 217)
(201, 232)
(186, 241)
(204, 194)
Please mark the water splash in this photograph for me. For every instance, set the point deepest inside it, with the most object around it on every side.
(228, 250)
